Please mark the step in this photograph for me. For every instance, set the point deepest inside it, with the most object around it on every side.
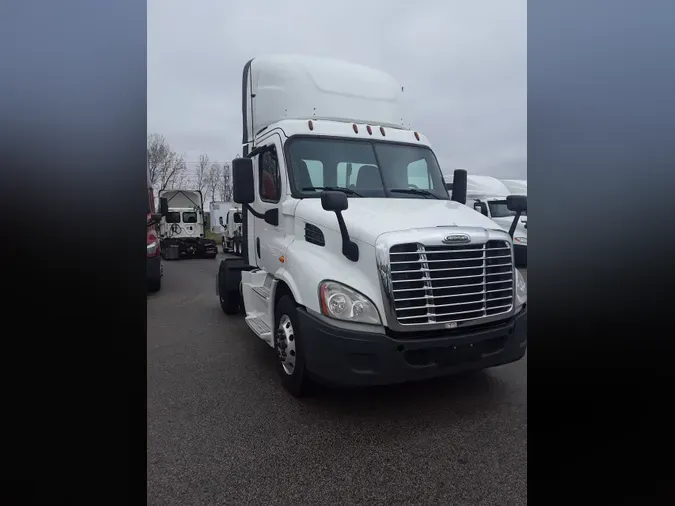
(258, 326)
(263, 291)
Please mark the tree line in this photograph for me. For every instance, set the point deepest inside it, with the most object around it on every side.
(169, 170)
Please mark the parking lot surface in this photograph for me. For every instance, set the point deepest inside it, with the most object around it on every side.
(221, 429)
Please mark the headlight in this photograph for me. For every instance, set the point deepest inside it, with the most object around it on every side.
(343, 303)
(521, 240)
(521, 289)
(152, 248)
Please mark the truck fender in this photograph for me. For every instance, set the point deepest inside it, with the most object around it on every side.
(284, 275)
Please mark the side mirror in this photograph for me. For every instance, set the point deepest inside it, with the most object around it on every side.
(237, 218)
(517, 203)
(334, 201)
(220, 220)
(459, 186)
(243, 188)
(163, 206)
(337, 202)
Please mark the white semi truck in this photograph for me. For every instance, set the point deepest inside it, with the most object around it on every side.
(358, 268)
(181, 230)
(230, 237)
(487, 195)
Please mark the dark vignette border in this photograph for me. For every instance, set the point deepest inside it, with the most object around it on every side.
(602, 167)
(601, 163)
(73, 158)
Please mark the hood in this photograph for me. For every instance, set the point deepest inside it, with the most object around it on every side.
(368, 218)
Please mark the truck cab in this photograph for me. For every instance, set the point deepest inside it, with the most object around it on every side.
(357, 266)
(487, 195)
(231, 238)
(182, 228)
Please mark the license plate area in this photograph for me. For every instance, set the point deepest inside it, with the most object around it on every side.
(455, 354)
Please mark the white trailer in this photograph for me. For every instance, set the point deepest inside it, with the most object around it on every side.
(357, 266)
(218, 213)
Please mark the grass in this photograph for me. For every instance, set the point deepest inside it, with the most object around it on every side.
(212, 235)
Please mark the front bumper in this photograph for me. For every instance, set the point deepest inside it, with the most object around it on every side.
(353, 358)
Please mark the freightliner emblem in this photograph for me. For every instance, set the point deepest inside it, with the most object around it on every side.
(456, 239)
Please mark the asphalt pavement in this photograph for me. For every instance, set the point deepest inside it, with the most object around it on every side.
(222, 430)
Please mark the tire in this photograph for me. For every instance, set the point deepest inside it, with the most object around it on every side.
(287, 336)
(154, 285)
(229, 300)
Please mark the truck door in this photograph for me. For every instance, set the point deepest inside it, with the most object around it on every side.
(267, 245)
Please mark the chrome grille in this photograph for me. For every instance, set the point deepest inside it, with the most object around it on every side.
(442, 284)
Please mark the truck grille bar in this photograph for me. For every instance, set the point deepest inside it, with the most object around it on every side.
(444, 284)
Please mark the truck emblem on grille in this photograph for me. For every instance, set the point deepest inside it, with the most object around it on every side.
(456, 239)
(451, 325)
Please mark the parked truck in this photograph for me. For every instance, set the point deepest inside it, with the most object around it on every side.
(487, 195)
(357, 266)
(154, 260)
(182, 228)
(218, 212)
(231, 238)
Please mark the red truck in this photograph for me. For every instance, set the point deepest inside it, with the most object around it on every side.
(154, 269)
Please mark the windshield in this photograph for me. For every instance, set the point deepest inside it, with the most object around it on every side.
(369, 168)
(173, 217)
(498, 209)
(189, 217)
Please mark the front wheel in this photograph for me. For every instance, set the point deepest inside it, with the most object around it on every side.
(288, 344)
(154, 285)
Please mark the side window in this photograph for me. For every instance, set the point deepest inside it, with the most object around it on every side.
(418, 175)
(270, 180)
(347, 174)
(315, 169)
(342, 174)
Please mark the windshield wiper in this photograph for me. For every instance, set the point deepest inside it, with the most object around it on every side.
(415, 191)
(332, 189)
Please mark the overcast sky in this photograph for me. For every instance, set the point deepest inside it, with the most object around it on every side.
(463, 65)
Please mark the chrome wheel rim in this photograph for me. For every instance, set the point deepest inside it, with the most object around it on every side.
(286, 344)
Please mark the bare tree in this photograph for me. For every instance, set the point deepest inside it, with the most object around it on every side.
(202, 172)
(181, 178)
(225, 187)
(213, 180)
(165, 166)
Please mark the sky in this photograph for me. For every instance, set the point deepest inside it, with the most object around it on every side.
(463, 65)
